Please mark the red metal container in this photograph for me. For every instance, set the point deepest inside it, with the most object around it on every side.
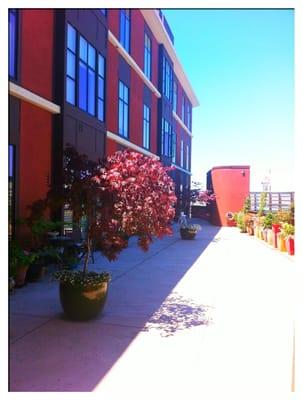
(276, 228)
(290, 245)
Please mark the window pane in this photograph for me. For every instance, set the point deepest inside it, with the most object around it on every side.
(91, 92)
(70, 90)
(101, 88)
(125, 122)
(12, 44)
(100, 110)
(71, 64)
(91, 57)
(126, 35)
(121, 90)
(125, 96)
(71, 38)
(82, 86)
(83, 49)
(120, 117)
(101, 65)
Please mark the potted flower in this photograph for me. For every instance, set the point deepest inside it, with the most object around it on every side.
(189, 231)
(288, 232)
(240, 222)
(267, 225)
(20, 260)
(127, 195)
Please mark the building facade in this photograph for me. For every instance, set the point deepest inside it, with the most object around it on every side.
(100, 79)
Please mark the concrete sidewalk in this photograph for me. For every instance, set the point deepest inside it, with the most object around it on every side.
(186, 318)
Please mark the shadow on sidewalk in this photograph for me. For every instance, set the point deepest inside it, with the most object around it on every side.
(75, 356)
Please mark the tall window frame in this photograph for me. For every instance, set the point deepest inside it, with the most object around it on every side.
(187, 157)
(123, 110)
(183, 108)
(147, 56)
(166, 138)
(146, 126)
(13, 43)
(101, 89)
(175, 96)
(125, 28)
(71, 61)
(167, 79)
(85, 75)
(182, 153)
(174, 148)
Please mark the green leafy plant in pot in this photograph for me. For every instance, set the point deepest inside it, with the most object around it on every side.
(19, 262)
(127, 195)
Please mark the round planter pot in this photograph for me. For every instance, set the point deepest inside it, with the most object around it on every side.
(187, 234)
(20, 277)
(35, 272)
(281, 243)
(82, 303)
(290, 245)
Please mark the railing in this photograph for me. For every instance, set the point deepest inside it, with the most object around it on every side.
(275, 200)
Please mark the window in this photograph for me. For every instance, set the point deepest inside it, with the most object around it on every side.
(123, 109)
(11, 189)
(146, 126)
(174, 147)
(71, 65)
(101, 86)
(182, 153)
(187, 157)
(166, 138)
(12, 61)
(167, 78)
(188, 111)
(147, 56)
(125, 28)
(175, 98)
(183, 108)
(85, 75)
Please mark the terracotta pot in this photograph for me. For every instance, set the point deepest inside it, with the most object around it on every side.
(290, 245)
(281, 242)
(20, 277)
(270, 237)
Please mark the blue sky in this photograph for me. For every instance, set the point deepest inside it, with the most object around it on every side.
(241, 66)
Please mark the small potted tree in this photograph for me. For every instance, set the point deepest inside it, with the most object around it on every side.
(127, 195)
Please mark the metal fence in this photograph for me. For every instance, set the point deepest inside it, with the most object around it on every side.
(275, 200)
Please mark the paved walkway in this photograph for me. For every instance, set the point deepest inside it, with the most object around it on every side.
(186, 318)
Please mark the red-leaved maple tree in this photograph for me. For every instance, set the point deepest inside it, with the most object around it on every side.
(128, 194)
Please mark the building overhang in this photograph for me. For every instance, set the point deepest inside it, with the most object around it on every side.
(130, 145)
(154, 22)
(30, 97)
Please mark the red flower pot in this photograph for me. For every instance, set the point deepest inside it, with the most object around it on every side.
(290, 245)
(276, 228)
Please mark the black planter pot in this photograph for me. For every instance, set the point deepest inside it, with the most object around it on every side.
(35, 272)
(186, 234)
(83, 303)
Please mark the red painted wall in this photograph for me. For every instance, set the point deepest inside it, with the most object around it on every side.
(37, 51)
(231, 186)
(136, 86)
(35, 154)
(35, 124)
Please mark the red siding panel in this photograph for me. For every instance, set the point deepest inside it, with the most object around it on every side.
(37, 51)
(35, 154)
